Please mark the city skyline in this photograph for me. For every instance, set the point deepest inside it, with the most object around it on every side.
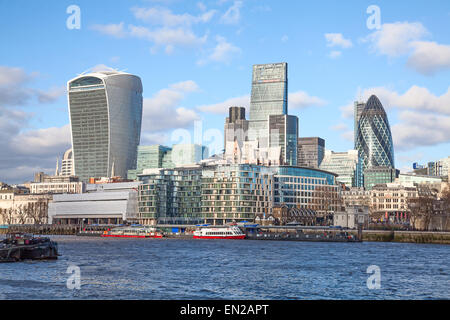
(182, 84)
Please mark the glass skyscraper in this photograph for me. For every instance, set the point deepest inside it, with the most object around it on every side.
(268, 97)
(374, 138)
(105, 110)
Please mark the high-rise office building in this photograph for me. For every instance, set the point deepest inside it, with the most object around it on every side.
(357, 111)
(374, 139)
(347, 165)
(105, 111)
(283, 133)
(310, 152)
(67, 164)
(269, 96)
(379, 175)
(235, 131)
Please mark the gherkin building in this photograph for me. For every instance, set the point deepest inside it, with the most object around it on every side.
(373, 136)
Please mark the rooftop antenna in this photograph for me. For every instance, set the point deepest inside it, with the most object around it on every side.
(360, 99)
(57, 167)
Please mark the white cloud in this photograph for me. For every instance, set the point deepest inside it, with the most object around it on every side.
(222, 107)
(420, 129)
(405, 38)
(335, 54)
(167, 37)
(337, 40)
(15, 90)
(163, 112)
(301, 99)
(284, 38)
(297, 100)
(223, 52)
(429, 57)
(418, 98)
(115, 30)
(165, 17)
(394, 39)
(233, 14)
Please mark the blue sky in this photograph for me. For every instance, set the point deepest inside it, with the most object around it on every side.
(195, 59)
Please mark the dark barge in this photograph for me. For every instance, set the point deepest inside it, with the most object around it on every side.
(19, 247)
(292, 233)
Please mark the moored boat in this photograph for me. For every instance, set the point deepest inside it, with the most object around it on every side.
(18, 247)
(133, 232)
(222, 232)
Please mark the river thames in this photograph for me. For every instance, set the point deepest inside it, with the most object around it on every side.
(229, 269)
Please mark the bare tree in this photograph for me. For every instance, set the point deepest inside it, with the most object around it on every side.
(422, 209)
(38, 211)
(22, 213)
(7, 215)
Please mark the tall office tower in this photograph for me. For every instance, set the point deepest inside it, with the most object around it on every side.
(235, 131)
(310, 152)
(374, 140)
(269, 97)
(283, 133)
(67, 164)
(357, 111)
(347, 165)
(105, 111)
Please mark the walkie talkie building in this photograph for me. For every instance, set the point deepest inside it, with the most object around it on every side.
(373, 136)
(105, 110)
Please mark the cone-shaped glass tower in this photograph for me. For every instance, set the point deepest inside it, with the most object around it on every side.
(373, 136)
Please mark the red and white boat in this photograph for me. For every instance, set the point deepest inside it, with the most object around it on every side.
(133, 232)
(225, 232)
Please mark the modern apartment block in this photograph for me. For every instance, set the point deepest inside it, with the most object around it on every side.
(219, 194)
(347, 165)
(105, 111)
(310, 152)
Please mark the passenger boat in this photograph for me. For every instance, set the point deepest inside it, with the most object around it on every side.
(133, 232)
(19, 246)
(225, 232)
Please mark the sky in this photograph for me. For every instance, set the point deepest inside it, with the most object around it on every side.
(195, 60)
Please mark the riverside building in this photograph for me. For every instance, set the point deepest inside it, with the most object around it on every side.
(219, 194)
(105, 110)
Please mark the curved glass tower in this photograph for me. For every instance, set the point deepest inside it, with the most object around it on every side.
(105, 111)
(373, 136)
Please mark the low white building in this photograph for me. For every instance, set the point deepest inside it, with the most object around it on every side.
(109, 203)
(352, 216)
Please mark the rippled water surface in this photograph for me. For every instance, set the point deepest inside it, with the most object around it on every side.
(230, 269)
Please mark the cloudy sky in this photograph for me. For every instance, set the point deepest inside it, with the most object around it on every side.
(195, 59)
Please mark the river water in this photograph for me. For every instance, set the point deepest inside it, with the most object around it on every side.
(229, 269)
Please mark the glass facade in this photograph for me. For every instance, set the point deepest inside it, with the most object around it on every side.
(283, 132)
(310, 152)
(347, 165)
(268, 97)
(105, 115)
(219, 194)
(374, 139)
(379, 175)
(149, 157)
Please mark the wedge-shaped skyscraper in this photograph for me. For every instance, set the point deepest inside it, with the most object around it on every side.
(105, 110)
(373, 136)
